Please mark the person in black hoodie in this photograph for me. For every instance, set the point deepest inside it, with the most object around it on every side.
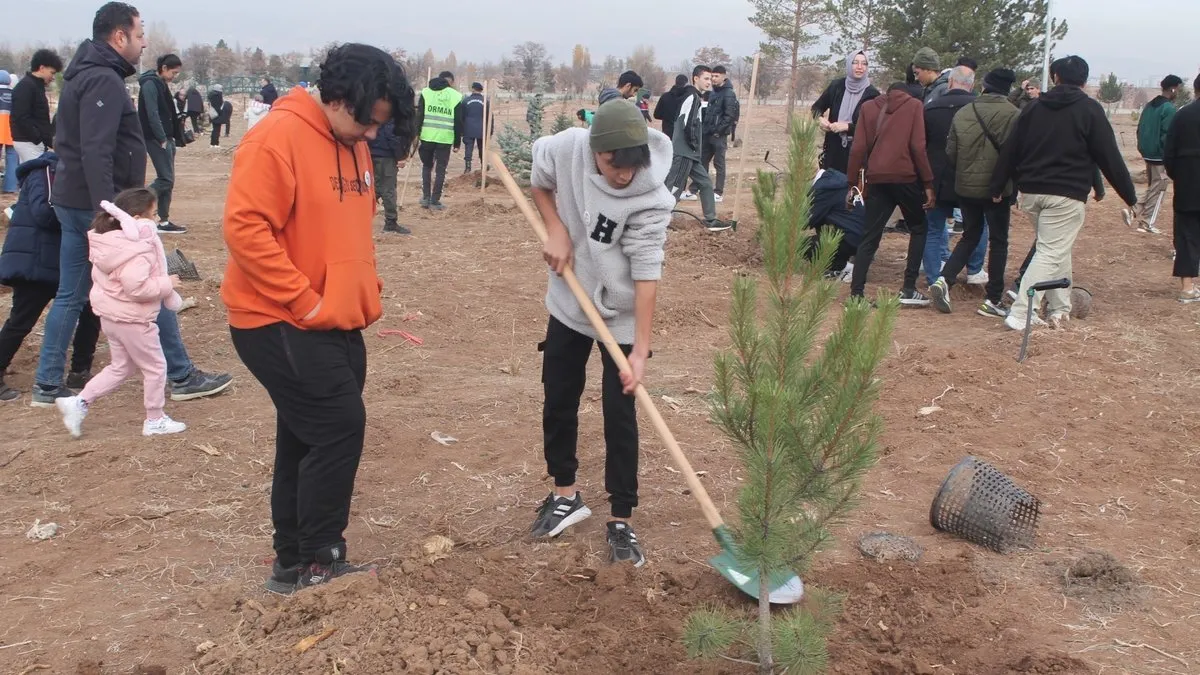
(843, 99)
(829, 210)
(216, 114)
(1181, 157)
(32, 130)
(98, 139)
(1052, 154)
(667, 108)
(939, 115)
(268, 91)
(195, 108)
(163, 133)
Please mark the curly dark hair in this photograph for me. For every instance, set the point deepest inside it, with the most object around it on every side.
(360, 75)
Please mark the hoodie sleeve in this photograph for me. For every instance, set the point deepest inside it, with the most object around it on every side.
(1170, 147)
(858, 149)
(1168, 116)
(139, 284)
(460, 122)
(105, 100)
(917, 148)
(544, 174)
(659, 110)
(1006, 165)
(644, 239)
(253, 217)
(1102, 143)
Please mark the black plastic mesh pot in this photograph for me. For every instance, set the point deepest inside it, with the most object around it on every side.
(178, 264)
(984, 506)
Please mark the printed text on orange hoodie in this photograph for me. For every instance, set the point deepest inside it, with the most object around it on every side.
(298, 224)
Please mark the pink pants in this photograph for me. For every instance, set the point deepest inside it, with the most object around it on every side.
(133, 347)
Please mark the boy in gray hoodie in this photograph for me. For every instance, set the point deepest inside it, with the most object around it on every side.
(601, 194)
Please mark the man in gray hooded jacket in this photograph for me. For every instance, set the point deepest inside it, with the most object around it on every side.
(600, 192)
(688, 141)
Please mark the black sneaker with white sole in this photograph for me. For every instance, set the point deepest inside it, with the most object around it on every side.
(329, 565)
(167, 227)
(199, 384)
(913, 298)
(623, 544)
(716, 225)
(556, 514)
(283, 580)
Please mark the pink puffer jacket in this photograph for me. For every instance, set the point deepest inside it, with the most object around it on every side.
(129, 271)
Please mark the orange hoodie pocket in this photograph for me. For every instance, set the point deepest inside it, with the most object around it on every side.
(350, 298)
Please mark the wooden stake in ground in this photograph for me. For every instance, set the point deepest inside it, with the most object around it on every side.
(408, 162)
(484, 147)
(737, 194)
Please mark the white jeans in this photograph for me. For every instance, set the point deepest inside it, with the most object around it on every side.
(1058, 221)
(27, 151)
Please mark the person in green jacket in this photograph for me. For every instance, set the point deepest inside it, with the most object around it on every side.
(978, 132)
(1152, 138)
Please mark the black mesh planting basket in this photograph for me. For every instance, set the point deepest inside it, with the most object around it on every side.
(178, 264)
(982, 505)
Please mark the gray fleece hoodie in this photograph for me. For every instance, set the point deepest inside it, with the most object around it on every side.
(617, 235)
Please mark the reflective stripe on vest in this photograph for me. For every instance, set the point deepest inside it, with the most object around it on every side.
(438, 126)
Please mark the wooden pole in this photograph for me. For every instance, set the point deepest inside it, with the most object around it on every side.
(737, 195)
(483, 163)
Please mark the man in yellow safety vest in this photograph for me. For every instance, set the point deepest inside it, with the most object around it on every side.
(440, 118)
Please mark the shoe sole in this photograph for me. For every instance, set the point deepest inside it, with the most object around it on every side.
(42, 404)
(571, 519)
(914, 303)
(279, 587)
(172, 231)
(939, 299)
(162, 433)
(201, 394)
(719, 228)
(983, 312)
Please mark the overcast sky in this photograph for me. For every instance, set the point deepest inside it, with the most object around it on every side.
(1113, 35)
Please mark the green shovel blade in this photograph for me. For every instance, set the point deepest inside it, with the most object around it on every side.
(785, 587)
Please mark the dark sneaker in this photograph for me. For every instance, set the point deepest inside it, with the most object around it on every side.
(78, 380)
(991, 309)
(424, 202)
(167, 227)
(200, 384)
(913, 298)
(396, 228)
(437, 206)
(45, 398)
(557, 514)
(330, 564)
(7, 393)
(623, 544)
(283, 580)
(717, 225)
(940, 292)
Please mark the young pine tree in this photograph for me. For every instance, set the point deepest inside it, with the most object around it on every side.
(801, 417)
(516, 147)
(562, 122)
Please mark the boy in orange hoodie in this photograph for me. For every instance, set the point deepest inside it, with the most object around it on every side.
(301, 285)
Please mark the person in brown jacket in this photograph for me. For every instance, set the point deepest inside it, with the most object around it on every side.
(888, 156)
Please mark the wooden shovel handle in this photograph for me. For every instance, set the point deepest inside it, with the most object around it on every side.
(614, 350)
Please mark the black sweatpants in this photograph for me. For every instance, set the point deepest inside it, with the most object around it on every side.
(974, 212)
(713, 153)
(434, 158)
(1187, 244)
(29, 300)
(315, 379)
(471, 147)
(564, 373)
(843, 254)
(881, 201)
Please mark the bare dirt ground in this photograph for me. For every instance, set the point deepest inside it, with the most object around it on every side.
(163, 545)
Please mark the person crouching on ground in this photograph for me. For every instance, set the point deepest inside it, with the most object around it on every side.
(602, 196)
(130, 285)
(301, 285)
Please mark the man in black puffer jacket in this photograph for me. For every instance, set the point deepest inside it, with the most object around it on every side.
(939, 115)
(721, 115)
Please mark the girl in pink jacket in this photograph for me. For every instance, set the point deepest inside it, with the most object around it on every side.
(129, 285)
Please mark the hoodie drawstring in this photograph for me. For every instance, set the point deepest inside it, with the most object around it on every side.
(337, 157)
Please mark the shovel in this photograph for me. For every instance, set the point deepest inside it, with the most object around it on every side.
(785, 587)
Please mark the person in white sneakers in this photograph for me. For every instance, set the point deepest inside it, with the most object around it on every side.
(130, 285)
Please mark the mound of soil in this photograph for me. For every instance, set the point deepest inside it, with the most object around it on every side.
(1098, 577)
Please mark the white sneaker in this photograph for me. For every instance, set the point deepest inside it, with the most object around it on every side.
(979, 279)
(1013, 322)
(161, 426)
(688, 197)
(1060, 320)
(1127, 215)
(847, 273)
(73, 410)
(718, 198)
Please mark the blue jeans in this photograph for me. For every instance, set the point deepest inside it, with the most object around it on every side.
(11, 160)
(74, 284)
(937, 242)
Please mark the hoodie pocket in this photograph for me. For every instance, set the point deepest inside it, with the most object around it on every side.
(350, 297)
(612, 303)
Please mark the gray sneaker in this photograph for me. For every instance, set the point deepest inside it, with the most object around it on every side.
(623, 544)
(45, 398)
(7, 393)
(437, 206)
(200, 384)
(78, 380)
(424, 202)
(939, 292)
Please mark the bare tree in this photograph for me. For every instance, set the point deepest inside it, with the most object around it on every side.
(256, 62)
(159, 42)
(198, 62)
(225, 61)
(581, 69)
(531, 60)
(712, 56)
(643, 62)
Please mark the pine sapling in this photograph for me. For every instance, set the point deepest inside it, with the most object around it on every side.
(516, 147)
(801, 417)
(562, 122)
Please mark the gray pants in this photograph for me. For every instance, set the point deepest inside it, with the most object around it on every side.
(683, 168)
(1147, 209)
(163, 160)
(715, 148)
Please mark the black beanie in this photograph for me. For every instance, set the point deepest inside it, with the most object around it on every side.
(999, 81)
